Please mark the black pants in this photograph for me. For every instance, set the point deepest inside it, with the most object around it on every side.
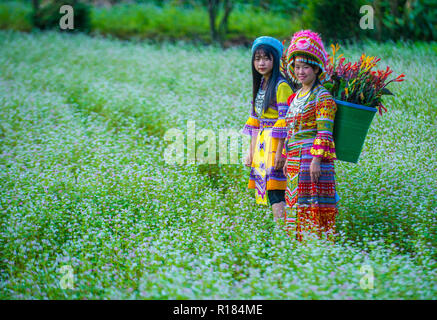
(276, 196)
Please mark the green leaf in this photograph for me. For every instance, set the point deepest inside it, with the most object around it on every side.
(329, 86)
(385, 91)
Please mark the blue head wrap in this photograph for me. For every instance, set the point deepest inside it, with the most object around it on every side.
(276, 44)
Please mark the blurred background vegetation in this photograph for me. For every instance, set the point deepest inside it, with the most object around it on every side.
(228, 22)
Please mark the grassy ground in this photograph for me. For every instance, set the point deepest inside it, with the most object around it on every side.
(84, 183)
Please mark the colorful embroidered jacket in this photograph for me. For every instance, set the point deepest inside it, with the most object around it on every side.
(268, 128)
(316, 121)
(274, 116)
(310, 205)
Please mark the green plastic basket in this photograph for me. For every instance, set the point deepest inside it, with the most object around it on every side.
(352, 121)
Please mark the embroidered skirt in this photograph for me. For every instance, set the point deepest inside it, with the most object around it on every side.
(263, 175)
(310, 207)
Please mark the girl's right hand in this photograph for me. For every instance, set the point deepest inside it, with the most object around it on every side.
(248, 161)
(284, 168)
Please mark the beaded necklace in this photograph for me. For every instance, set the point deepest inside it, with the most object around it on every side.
(259, 100)
(296, 109)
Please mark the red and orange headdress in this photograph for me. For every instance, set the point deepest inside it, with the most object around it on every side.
(307, 46)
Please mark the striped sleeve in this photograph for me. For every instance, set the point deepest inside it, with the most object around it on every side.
(284, 91)
(285, 148)
(323, 145)
(251, 127)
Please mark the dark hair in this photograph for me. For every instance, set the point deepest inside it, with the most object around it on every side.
(256, 76)
(317, 81)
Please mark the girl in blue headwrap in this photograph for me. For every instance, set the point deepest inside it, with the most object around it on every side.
(266, 125)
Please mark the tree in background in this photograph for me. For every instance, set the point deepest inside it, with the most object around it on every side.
(46, 14)
(35, 4)
(218, 33)
(334, 20)
(394, 19)
(405, 19)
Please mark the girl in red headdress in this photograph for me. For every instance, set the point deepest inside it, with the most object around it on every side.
(311, 202)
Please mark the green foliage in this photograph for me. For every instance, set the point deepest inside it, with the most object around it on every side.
(253, 25)
(405, 19)
(334, 20)
(48, 15)
(150, 21)
(284, 7)
(164, 22)
(171, 22)
(188, 19)
(15, 16)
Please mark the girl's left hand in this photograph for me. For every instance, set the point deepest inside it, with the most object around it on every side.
(315, 169)
(279, 161)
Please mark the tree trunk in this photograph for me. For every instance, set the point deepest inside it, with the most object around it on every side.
(35, 4)
(394, 8)
(218, 35)
(378, 19)
(223, 29)
(212, 10)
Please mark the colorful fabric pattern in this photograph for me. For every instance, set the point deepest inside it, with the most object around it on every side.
(275, 43)
(268, 128)
(310, 206)
(307, 46)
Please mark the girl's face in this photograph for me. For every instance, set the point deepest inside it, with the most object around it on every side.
(263, 63)
(305, 73)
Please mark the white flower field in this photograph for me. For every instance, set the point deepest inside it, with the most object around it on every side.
(84, 183)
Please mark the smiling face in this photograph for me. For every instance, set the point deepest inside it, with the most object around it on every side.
(263, 63)
(305, 73)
